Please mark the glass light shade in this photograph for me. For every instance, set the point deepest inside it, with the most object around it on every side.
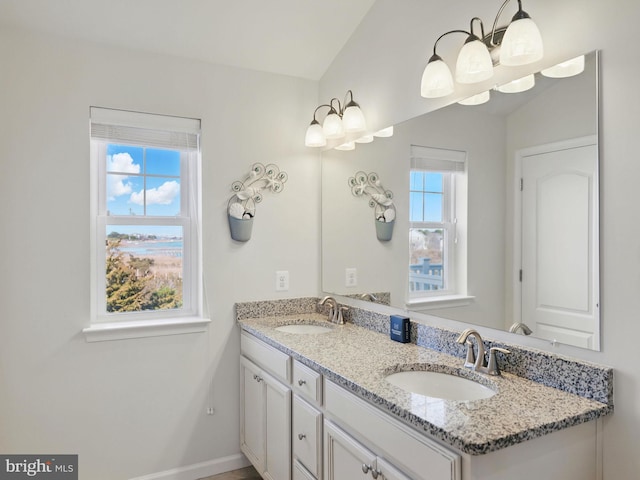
(474, 63)
(315, 136)
(521, 44)
(569, 68)
(347, 146)
(478, 99)
(365, 139)
(437, 80)
(520, 85)
(385, 132)
(353, 119)
(332, 126)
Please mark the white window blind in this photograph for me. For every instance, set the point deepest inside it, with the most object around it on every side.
(437, 160)
(144, 128)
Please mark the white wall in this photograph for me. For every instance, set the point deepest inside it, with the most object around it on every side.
(383, 64)
(135, 407)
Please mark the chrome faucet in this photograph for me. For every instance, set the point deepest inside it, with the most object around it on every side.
(335, 311)
(479, 365)
(462, 339)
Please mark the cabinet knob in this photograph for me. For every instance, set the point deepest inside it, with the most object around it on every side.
(257, 378)
(301, 382)
(368, 468)
(301, 436)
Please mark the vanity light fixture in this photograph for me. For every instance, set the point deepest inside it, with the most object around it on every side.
(520, 43)
(384, 133)
(342, 119)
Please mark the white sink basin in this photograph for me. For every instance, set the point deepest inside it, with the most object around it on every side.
(439, 385)
(303, 328)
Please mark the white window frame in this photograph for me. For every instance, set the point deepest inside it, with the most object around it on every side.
(452, 164)
(153, 131)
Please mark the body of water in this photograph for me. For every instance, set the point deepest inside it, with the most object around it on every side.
(149, 248)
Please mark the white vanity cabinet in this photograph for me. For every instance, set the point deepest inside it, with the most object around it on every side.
(265, 409)
(297, 425)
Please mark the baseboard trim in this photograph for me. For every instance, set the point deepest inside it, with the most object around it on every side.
(200, 470)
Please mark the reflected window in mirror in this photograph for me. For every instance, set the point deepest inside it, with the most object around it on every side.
(435, 269)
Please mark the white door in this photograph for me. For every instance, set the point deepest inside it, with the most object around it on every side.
(345, 458)
(560, 289)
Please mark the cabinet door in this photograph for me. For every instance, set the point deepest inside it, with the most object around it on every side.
(388, 471)
(345, 458)
(252, 413)
(278, 430)
(307, 435)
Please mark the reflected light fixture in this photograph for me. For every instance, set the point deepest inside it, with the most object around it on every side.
(520, 43)
(519, 85)
(342, 119)
(566, 69)
(477, 99)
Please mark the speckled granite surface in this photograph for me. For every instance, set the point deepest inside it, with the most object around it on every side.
(358, 359)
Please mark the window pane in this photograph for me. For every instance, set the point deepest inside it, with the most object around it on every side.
(433, 182)
(416, 207)
(433, 207)
(162, 196)
(120, 190)
(426, 269)
(162, 162)
(124, 159)
(416, 180)
(144, 268)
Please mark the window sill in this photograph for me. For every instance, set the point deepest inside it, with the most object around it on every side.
(447, 301)
(101, 332)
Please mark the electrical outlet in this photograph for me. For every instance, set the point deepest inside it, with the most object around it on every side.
(210, 410)
(351, 277)
(282, 281)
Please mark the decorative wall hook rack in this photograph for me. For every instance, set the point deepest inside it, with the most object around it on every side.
(380, 199)
(241, 207)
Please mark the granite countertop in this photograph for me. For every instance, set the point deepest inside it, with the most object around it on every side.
(358, 359)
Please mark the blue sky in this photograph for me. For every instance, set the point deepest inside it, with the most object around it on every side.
(143, 181)
(129, 168)
(425, 197)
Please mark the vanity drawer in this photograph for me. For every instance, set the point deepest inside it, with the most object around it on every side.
(266, 356)
(406, 448)
(307, 383)
(307, 435)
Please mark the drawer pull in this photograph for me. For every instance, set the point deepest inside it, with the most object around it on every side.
(301, 382)
(301, 436)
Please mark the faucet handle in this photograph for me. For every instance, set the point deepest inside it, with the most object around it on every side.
(492, 368)
(340, 318)
(471, 357)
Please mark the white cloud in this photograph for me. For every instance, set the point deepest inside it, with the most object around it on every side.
(122, 163)
(118, 185)
(163, 195)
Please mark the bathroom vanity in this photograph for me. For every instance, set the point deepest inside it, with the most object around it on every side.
(318, 406)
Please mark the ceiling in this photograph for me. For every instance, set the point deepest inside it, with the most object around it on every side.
(290, 37)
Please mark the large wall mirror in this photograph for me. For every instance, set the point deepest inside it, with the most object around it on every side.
(522, 248)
